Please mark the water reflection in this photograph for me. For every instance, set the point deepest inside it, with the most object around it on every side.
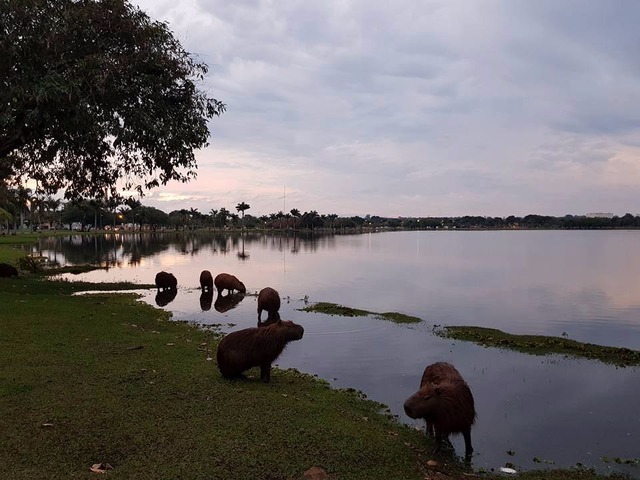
(224, 303)
(165, 297)
(206, 299)
(131, 249)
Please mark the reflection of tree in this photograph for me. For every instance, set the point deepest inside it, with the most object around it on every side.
(242, 255)
(115, 249)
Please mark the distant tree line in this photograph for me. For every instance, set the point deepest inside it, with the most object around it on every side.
(21, 208)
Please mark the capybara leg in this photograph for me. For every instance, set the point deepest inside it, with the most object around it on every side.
(439, 438)
(259, 317)
(467, 442)
(430, 430)
(265, 372)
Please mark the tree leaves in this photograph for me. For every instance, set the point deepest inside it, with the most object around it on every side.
(93, 92)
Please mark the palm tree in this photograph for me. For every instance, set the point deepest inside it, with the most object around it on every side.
(295, 213)
(6, 216)
(223, 214)
(241, 207)
(212, 214)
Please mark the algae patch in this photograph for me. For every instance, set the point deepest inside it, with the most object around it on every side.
(342, 311)
(541, 345)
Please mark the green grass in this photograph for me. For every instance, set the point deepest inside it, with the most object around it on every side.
(541, 345)
(122, 384)
(342, 311)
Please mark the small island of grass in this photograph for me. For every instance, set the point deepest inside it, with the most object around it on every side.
(540, 344)
(342, 311)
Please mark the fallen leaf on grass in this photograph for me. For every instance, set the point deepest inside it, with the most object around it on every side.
(101, 467)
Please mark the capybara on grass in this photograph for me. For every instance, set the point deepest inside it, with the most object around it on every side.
(7, 270)
(206, 281)
(165, 280)
(226, 281)
(269, 300)
(445, 402)
(255, 347)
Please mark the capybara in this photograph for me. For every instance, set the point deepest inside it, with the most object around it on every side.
(206, 280)
(224, 303)
(226, 281)
(269, 300)
(7, 270)
(166, 280)
(255, 347)
(445, 402)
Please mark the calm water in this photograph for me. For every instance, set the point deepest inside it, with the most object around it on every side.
(583, 284)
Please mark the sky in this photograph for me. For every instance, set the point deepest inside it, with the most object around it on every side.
(414, 107)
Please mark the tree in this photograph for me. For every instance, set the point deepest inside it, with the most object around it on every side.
(241, 207)
(94, 91)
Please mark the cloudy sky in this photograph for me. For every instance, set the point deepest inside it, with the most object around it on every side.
(415, 107)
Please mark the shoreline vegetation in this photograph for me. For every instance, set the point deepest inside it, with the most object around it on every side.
(342, 311)
(540, 344)
(105, 378)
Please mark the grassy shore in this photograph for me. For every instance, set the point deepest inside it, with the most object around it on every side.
(104, 378)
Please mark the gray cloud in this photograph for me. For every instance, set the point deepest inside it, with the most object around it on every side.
(391, 108)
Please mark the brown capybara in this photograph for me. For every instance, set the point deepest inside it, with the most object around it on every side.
(7, 271)
(206, 280)
(226, 281)
(269, 300)
(255, 347)
(166, 281)
(445, 402)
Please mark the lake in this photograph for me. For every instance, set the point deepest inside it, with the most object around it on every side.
(533, 411)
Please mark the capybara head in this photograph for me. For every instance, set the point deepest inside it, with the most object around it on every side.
(206, 280)
(253, 347)
(166, 280)
(440, 372)
(8, 271)
(269, 300)
(293, 331)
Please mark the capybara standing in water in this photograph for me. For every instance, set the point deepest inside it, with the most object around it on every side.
(445, 402)
(7, 270)
(269, 300)
(226, 281)
(165, 281)
(255, 347)
(206, 281)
